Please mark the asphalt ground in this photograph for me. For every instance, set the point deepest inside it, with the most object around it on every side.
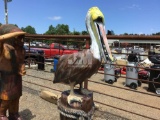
(116, 101)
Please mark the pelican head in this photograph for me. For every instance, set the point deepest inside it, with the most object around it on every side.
(95, 24)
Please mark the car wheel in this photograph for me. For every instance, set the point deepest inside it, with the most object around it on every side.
(139, 83)
(133, 86)
(30, 61)
(110, 81)
(115, 79)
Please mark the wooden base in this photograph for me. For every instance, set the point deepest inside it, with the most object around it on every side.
(86, 104)
(62, 117)
(76, 109)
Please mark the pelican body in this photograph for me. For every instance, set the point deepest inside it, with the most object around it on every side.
(75, 68)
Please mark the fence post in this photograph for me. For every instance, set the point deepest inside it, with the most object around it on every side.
(29, 65)
(86, 81)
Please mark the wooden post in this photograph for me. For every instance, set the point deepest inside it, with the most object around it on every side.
(87, 44)
(6, 11)
(86, 81)
(29, 65)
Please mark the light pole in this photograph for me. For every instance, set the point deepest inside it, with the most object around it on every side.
(6, 10)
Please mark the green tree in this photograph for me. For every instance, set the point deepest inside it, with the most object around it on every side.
(125, 33)
(22, 28)
(76, 33)
(62, 29)
(110, 32)
(158, 33)
(29, 29)
(16, 25)
(84, 33)
(51, 30)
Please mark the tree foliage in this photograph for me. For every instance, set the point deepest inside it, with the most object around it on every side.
(110, 32)
(75, 33)
(85, 33)
(29, 29)
(62, 29)
(16, 25)
(158, 33)
(51, 30)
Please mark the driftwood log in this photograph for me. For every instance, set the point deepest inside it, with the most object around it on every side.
(49, 96)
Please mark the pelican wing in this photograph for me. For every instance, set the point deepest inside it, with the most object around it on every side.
(76, 67)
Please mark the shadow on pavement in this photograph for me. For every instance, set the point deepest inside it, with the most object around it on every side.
(27, 114)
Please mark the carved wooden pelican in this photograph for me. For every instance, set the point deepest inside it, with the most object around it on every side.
(75, 68)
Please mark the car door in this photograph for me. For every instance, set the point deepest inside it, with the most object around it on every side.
(56, 50)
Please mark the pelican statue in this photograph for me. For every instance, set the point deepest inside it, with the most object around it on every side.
(73, 69)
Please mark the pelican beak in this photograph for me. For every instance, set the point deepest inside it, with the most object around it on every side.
(104, 42)
(95, 25)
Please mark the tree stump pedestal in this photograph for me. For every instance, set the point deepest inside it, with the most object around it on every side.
(77, 110)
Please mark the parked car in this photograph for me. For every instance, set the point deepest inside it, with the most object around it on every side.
(33, 56)
(55, 49)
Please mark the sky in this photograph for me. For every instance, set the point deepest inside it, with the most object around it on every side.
(121, 16)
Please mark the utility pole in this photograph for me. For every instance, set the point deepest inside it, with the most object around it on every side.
(6, 10)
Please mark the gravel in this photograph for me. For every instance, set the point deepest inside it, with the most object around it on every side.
(116, 101)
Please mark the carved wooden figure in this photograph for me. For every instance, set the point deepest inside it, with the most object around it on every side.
(11, 70)
(75, 68)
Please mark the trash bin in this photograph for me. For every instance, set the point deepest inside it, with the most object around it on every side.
(109, 75)
(41, 64)
(55, 62)
(154, 77)
(132, 72)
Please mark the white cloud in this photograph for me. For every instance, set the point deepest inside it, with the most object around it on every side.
(134, 6)
(140, 33)
(152, 29)
(55, 18)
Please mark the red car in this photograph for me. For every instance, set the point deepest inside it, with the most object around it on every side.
(55, 49)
